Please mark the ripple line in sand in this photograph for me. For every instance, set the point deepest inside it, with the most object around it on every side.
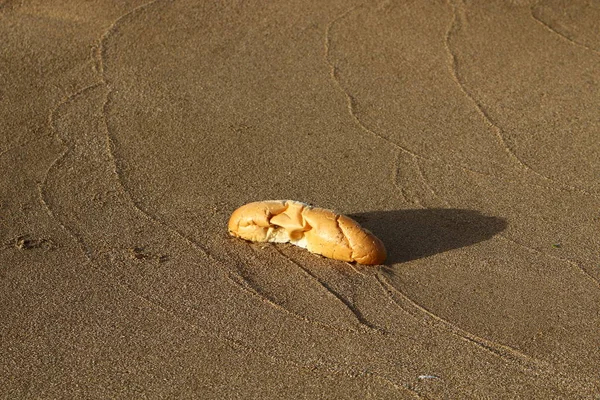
(100, 55)
(101, 68)
(549, 28)
(455, 26)
(351, 101)
(493, 347)
(589, 276)
(41, 186)
(240, 281)
(347, 304)
(314, 366)
(565, 260)
(432, 319)
(508, 353)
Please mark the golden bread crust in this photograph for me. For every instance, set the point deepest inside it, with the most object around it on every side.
(319, 230)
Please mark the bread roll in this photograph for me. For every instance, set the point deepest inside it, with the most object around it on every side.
(315, 229)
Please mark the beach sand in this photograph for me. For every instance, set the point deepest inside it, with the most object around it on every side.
(466, 135)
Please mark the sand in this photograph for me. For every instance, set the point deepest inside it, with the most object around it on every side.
(465, 135)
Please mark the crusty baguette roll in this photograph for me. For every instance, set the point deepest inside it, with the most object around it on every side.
(315, 229)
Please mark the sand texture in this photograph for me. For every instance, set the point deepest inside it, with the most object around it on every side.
(466, 135)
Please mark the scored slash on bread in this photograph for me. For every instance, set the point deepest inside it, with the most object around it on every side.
(318, 230)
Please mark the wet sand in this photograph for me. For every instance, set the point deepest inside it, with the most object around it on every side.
(465, 135)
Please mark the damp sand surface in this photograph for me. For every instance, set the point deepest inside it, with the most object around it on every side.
(464, 135)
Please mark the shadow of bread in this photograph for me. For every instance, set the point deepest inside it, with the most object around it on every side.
(416, 233)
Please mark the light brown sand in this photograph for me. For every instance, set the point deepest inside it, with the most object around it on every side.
(467, 136)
